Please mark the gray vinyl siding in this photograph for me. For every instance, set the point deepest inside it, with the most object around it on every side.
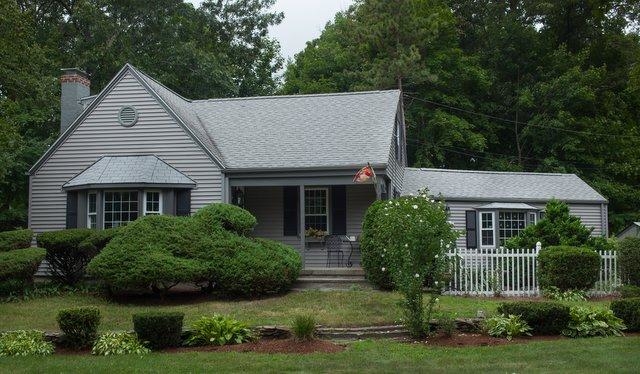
(156, 132)
(265, 203)
(395, 167)
(589, 214)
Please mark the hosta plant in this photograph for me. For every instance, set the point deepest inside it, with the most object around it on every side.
(219, 330)
(118, 343)
(554, 293)
(586, 322)
(24, 343)
(508, 327)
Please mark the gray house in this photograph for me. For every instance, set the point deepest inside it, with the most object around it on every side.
(631, 231)
(138, 148)
(492, 207)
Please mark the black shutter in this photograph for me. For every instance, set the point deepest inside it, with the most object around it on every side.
(183, 202)
(290, 210)
(338, 210)
(72, 210)
(472, 228)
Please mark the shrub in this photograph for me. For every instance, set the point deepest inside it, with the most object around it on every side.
(79, 325)
(446, 324)
(507, 327)
(218, 330)
(304, 327)
(118, 343)
(98, 239)
(24, 343)
(587, 322)
(629, 311)
(628, 291)
(411, 235)
(545, 317)
(17, 268)
(215, 217)
(159, 329)
(67, 259)
(568, 268)
(371, 249)
(629, 261)
(16, 239)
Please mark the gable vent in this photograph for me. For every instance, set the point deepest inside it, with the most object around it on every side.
(128, 116)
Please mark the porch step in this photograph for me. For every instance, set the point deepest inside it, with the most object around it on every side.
(332, 272)
(331, 279)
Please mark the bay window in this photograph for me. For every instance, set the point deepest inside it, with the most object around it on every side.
(120, 207)
(510, 224)
(92, 210)
(487, 231)
(152, 203)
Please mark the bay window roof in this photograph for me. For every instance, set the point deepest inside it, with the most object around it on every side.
(129, 171)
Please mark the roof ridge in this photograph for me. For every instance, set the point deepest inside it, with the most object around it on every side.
(147, 76)
(270, 97)
(490, 172)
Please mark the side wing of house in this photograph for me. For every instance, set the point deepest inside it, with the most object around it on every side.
(397, 155)
(99, 133)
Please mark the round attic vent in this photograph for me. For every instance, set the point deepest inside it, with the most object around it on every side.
(128, 116)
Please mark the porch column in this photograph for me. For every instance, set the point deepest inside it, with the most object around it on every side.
(301, 211)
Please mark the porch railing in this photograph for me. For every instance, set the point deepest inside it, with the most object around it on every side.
(513, 272)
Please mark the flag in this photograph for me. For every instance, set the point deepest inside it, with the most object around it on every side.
(364, 175)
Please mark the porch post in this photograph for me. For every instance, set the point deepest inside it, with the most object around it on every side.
(301, 222)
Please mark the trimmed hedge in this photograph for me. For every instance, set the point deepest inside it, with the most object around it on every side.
(628, 291)
(67, 259)
(568, 268)
(215, 217)
(629, 261)
(16, 239)
(98, 239)
(159, 329)
(79, 325)
(628, 310)
(544, 317)
(17, 268)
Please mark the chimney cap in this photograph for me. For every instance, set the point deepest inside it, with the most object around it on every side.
(75, 71)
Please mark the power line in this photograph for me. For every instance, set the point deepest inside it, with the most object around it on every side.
(517, 122)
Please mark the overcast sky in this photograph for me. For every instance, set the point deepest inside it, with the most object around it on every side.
(303, 21)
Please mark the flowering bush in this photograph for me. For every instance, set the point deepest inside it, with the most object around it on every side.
(411, 235)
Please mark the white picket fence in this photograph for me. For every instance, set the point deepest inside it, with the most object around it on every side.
(512, 272)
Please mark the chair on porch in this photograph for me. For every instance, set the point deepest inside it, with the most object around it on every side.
(333, 246)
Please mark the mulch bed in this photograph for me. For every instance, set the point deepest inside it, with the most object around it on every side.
(269, 346)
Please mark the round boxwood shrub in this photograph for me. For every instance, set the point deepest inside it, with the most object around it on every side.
(79, 326)
(372, 247)
(17, 268)
(629, 261)
(544, 317)
(215, 217)
(16, 239)
(67, 258)
(628, 310)
(159, 329)
(568, 268)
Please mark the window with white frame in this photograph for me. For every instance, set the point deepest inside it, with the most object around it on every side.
(510, 224)
(152, 203)
(487, 231)
(92, 210)
(120, 207)
(316, 212)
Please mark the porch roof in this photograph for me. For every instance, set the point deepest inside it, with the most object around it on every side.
(118, 171)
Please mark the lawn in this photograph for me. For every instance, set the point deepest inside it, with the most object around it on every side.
(332, 308)
(595, 355)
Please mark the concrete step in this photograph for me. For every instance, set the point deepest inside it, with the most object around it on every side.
(332, 271)
(332, 279)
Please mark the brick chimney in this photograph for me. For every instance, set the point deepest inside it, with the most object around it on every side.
(74, 86)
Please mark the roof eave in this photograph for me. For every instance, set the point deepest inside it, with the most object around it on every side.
(522, 200)
(88, 186)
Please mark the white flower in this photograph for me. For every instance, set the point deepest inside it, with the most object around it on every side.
(383, 255)
(384, 269)
(437, 300)
(447, 246)
(415, 207)
(406, 245)
(437, 256)
(417, 275)
(384, 249)
(408, 216)
(436, 283)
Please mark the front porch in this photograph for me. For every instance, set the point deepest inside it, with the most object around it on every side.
(335, 209)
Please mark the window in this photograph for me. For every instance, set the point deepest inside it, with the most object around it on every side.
(120, 207)
(510, 224)
(487, 231)
(152, 203)
(398, 136)
(315, 209)
(542, 215)
(533, 218)
(92, 210)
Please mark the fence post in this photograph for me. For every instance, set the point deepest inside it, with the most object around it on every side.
(538, 247)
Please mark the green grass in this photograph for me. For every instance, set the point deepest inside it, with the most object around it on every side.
(332, 308)
(595, 355)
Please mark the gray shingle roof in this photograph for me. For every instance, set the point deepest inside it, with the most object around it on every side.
(499, 186)
(129, 170)
(303, 131)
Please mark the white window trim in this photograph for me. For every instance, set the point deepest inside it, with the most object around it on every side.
(104, 203)
(493, 229)
(144, 203)
(89, 214)
(326, 210)
(511, 211)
